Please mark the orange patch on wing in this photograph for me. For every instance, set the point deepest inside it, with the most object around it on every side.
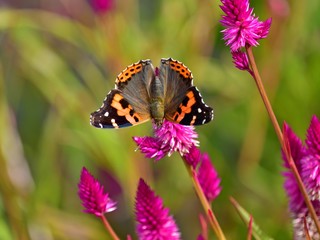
(181, 69)
(121, 111)
(185, 109)
(126, 74)
(193, 120)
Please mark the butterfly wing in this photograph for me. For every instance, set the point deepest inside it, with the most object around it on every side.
(116, 112)
(128, 104)
(192, 110)
(183, 101)
(177, 79)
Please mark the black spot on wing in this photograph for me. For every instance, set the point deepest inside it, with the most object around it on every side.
(187, 119)
(124, 103)
(185, 101)
(200, 113)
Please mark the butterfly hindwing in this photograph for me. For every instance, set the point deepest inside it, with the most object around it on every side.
(192, 110)
(116, 112)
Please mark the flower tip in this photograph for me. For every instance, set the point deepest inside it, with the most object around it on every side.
(268, 22)
(208, 178)
(313, 136)
(91, 192)
(242, 27)
(154, 221)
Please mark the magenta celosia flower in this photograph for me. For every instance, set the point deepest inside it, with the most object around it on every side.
(207, 175)
(311, 163)
(307, 167)
(101, 6)
(242, 27)
(193, 157)
(298, 224)
(298, 151)
(169, 138)
(240, 60)
(313, 136)
(208, 178)
(154, 221)
(200, 237)
(151, 147)
(91, 192)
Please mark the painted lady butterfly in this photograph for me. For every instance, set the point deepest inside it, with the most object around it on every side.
(143, 92)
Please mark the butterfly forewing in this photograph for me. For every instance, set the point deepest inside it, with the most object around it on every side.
(116, 112)
(134, 86)
(176, 78)
(128, 104)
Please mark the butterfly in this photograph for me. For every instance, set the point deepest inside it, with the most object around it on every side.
(143, 92)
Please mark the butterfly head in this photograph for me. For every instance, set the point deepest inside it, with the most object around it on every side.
(158, 123)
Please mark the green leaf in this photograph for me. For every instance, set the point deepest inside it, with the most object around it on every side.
(245, 216)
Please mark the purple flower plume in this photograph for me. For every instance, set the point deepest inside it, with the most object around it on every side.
(91, 192)
(151, 147)
(101, 6)
(208, 178)
(242, 27)
(240, 60)
(206, 173)
(298, 151)
(307, 160)
(313, 136)
(193, 157)
(311, 163)
(154, 221)
(169, 138)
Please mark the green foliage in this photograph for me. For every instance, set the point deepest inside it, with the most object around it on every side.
(55, 69)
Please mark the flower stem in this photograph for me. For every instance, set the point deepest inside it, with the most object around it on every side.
(249, 236)
(109, 228)
(206, 206)
(284, 145)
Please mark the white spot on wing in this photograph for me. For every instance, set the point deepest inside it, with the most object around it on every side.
(100, 125)
(106, 114)
(204, 121)
(199, 110)
(114, 124)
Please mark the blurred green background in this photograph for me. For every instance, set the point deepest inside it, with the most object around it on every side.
(58, 59)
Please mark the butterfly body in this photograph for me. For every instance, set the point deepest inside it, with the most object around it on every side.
(143, 92)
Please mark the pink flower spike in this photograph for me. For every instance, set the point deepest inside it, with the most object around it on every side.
(240, 60)
(307, 165)
(154, 221)
(193, 157)
(176, 137)
(170, 137)
(91, 192)
(151, 147)
(242, 27)
(311, 163)
(208, 178)
(298, 151)
(313, 136)
(102, 6)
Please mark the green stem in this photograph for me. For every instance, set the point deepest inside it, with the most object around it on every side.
(284, 146)
(204, 202)
(109, 228)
